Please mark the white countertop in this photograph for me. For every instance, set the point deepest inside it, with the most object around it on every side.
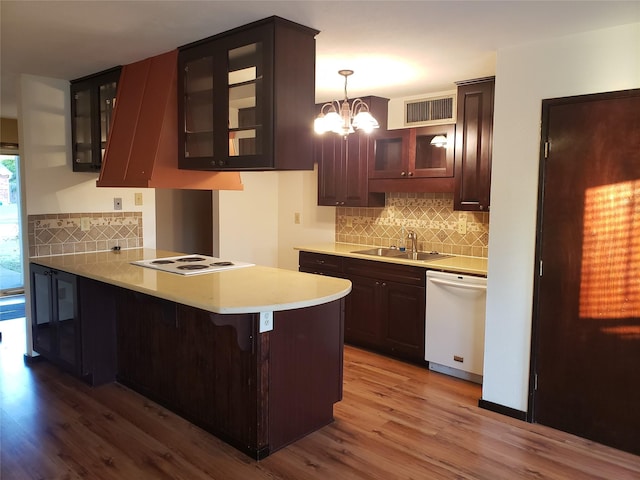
(245, 290)
(456, 263)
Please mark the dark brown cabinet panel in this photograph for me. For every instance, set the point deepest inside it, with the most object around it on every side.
(343, 163)
(363, 319)
(474, 143)
(71, 324)
(385, 310)
(404, 309)
(256, 391)
(405, 160)
(92, 101)
(246, 98)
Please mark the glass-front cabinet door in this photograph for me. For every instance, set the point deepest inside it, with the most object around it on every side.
(66, 314)
(55, 319)
(434, 151)
(93, 99)
(223, 103)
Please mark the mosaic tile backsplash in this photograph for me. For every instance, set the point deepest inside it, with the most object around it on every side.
(61, 233)
(430, 215)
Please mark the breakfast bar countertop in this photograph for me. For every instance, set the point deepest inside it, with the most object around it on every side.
(454, 263)
(245, 290)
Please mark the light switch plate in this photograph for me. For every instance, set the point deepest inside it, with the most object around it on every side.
(137, 198)
(85, 224)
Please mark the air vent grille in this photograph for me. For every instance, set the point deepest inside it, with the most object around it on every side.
(430, 111)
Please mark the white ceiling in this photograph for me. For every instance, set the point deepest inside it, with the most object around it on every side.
(396, 48)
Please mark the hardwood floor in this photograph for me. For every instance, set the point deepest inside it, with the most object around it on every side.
(396, 421)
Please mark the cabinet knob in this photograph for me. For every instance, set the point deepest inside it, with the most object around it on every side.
(403, 174)
(481, 207)
(411, 174)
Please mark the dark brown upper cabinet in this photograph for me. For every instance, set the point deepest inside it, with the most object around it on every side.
(474, 142)
(246, 98)
(405, 160)
(343, 163)
(92, 101)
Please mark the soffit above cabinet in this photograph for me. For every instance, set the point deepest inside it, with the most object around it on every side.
(142, 150)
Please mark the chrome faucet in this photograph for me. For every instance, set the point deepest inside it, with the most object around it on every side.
(414, 241)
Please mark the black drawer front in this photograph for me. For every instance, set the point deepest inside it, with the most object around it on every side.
(386, 271)
(320, 263)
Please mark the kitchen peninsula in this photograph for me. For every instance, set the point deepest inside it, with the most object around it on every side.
(253, 355)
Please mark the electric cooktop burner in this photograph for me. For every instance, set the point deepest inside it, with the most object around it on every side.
(197, 266)
(191, 264)
(190, 259)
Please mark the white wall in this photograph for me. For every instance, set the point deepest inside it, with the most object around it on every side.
(598, 61)
(257, 224)
(50, 185)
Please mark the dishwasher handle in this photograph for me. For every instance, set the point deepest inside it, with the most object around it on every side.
(470, 286)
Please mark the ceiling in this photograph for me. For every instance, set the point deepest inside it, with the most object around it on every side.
(396, 48)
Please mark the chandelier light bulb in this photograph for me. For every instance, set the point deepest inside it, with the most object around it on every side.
(352, 117)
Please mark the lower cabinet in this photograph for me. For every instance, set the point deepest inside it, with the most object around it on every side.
(385, 310)
(73, 324)
(256, 391)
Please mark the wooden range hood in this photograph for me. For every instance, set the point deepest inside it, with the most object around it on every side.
(142, 150)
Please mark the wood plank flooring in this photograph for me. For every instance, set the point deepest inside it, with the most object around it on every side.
(396, 421)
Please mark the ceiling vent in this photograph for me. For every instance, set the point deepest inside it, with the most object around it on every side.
(430, 111)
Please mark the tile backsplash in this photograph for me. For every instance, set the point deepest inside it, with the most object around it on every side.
(61, 233)
(430, 215)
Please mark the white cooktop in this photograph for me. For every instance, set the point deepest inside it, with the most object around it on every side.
(192, 264)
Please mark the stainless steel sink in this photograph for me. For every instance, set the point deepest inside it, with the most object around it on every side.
(395, 253)
(381, 252)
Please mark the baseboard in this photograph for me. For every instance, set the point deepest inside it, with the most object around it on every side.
(501, 409)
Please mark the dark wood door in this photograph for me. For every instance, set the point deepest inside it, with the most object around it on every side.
(587, 309)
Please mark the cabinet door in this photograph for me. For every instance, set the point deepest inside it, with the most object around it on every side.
(43, 326)
(430, 160)
(474, 132)
(391, 154)
(93, 99)
(330, 155)
(66, 314)
(362, 314)
(403, 308)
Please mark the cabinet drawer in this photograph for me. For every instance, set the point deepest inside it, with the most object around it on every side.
(406, 274)
(320, 262)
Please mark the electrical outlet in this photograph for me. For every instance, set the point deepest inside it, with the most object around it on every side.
(296, 218)
(137, 198)
(85, 224)
(462, 224)
(266, 322)
(117, 203)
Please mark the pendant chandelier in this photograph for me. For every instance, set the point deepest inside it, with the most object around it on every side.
(342, 118)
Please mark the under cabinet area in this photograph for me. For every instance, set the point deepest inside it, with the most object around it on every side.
(93, 99)
(246, 97)
(73, 323)
(386, 307)
(343, 163)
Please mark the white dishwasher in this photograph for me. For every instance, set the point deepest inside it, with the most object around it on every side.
(454, 330)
